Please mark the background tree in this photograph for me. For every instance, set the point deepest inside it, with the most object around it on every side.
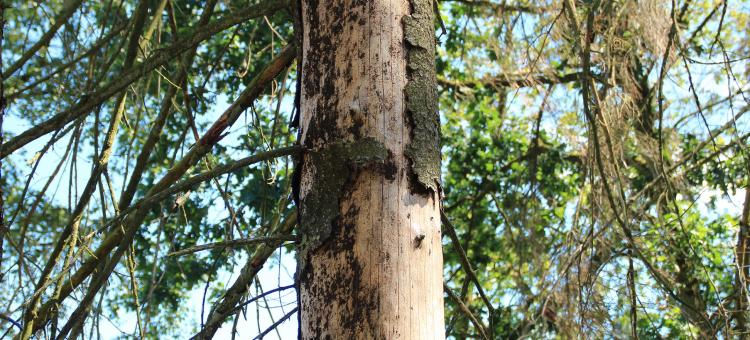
(595, 166)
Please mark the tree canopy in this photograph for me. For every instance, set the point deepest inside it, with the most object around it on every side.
(595, 167)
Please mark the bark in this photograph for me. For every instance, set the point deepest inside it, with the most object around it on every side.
(742, 274)
(370, 262)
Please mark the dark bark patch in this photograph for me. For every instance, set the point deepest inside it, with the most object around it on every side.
(328, 233)
(418, 241)
(342, 285)
(389, 167)
(319, 70)
(423, 150)
(333, 167)
(358, 122)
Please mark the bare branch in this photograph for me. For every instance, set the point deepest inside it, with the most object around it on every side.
(121, 237)
(69, 9)
(158, 58)
(233, 244)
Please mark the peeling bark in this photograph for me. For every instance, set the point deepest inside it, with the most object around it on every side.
(333, 167)
(423, 150)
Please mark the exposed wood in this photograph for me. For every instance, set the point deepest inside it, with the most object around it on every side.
(742, 272)
(373, 268)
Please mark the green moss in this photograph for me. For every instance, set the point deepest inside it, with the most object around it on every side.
(333, 168)
(421, 96)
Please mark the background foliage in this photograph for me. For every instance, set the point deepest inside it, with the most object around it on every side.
(595, 163)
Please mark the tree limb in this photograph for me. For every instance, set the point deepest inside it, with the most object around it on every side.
(158, 58)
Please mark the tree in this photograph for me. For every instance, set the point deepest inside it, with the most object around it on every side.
(370, 263)
(242, 167)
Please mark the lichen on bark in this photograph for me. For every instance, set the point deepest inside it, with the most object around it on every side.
(333, 167)
(423, 150)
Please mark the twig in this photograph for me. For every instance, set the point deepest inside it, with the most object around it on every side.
(464, 309)
(256, 298)
(91, 51)
(277, 323)
(232, 296)
(465, 263)
(9, 319)
(633, 297)
(121, 237)
(203, 177)
(71, 228)
(585, 52)
(159, 58)
(60, 20)
(233, 243)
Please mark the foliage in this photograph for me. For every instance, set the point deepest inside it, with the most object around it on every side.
(594, 161)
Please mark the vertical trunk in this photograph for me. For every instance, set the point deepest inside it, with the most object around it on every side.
(370, 263)
(742, 274)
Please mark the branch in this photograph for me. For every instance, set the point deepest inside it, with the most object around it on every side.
(94, 48)
(3, 229)
(203, 177)
(591, 113)
(122, 236)
(277, 323)
(464, 309)
(234, 243)
(261, 296)
(159, 58)
(69, 8)
(465, 263)
(741, 259)
(233, 295)
(511, 80)
(69, 234)
(503, 7)
(165, 110)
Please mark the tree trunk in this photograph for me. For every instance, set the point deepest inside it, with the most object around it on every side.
(742, 272)
(370, 261)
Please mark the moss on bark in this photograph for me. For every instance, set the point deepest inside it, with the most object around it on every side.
(334, 166)
(421, 97)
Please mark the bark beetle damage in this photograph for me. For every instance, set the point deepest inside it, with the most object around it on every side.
(320, 70)
(341, 286)
(421, 98)
(334, 167)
